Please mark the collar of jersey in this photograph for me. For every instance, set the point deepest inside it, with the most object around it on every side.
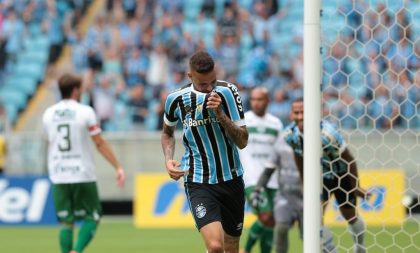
(69, 100)
(196, 91)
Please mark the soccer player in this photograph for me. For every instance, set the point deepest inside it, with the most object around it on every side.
(340, 174)
(264, 130)
(68, 125)
(288, 207)
(213, 122)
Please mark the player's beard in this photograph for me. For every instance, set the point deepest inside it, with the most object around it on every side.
(208, 91)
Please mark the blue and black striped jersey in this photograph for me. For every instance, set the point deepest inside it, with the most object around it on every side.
(333, 145)
(210, 156)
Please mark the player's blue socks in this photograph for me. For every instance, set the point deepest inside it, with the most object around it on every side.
(86, 233)
(66, 239)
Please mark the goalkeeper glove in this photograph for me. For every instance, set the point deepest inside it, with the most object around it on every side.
(256, 197)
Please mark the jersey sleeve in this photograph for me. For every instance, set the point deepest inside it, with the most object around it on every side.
(333, 143)
(288, 135)
(232, 103)
(170, 116)
(92, 122)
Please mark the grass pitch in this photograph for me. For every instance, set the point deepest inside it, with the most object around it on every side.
(116, 235)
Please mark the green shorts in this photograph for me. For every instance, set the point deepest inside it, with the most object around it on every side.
(78, 201)
(267, 202)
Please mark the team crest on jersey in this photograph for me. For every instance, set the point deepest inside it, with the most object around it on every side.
(200, 211)
(199, 108)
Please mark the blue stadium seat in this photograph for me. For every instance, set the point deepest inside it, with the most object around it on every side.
(15, 97)
(29, 70)
(12, 112)
(192, 8)
(25, 84)
(39, 43)
(34, 56)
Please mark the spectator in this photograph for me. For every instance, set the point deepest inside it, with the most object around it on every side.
(54, 29)
(280, 106)
(158, 72)
(13, 30)
(98, 39)
(79, 51)
(104, 98)
(136, 67)
(139, 105)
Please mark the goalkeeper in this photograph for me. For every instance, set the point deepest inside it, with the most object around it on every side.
(340, 174)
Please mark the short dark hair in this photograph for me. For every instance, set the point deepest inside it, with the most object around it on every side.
(201, 62)
(67, 83)
(297, 100)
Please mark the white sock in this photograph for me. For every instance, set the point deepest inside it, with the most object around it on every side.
(357, 230)
(327, 241)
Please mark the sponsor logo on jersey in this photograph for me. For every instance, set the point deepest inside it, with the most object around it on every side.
(65, 114)
(199, 122)
(238, 100)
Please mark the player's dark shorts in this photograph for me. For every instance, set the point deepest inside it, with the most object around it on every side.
(341, 187)
(77, 201)
(222, 202)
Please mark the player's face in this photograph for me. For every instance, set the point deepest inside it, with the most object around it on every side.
(296, 114)
(203, 82)
(259, 102)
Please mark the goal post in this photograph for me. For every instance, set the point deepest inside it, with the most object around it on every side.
(312, 133)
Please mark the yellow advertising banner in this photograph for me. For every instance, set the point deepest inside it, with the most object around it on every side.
(160, 202)
(384, 207)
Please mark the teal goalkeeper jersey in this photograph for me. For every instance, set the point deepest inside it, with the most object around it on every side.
(210, 156)
(333, 145)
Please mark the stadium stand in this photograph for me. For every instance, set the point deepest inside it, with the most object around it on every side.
(31, 38)
(134, 51)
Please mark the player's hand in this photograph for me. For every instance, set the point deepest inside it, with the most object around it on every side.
(120, 177)
(360, 192)
(214, 102)
(172, 169)
(256, 197)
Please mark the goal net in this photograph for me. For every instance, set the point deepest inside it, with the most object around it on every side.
(371, 91)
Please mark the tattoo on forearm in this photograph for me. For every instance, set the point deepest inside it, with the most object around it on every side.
(237, 134)
(168, 142)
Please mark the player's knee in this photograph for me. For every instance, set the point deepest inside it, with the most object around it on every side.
(215, 246)
(267, 220)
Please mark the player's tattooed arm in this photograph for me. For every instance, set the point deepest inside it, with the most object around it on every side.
(168, 146)
(238, 134)
(168, 141)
